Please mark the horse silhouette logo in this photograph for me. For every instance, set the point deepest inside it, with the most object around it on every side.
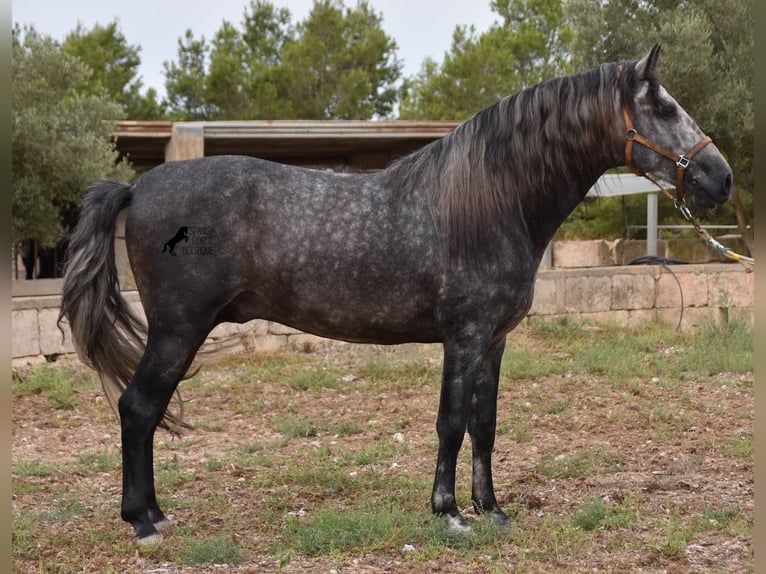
(182, 233)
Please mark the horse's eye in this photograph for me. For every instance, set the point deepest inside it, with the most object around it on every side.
(667, 110)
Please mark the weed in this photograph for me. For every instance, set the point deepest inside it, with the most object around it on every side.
(598, 515)
(103, 461)
(590, 516)
(216, 550)
(292, 427)
(25, 469)
(740, 446)
(673, 542)
(573, 465)
(330, 531)
(55, 383)
(313, 380)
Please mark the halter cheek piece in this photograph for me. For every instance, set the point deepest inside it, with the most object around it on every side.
(682, 161)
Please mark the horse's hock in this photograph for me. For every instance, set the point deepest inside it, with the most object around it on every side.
(624, 294)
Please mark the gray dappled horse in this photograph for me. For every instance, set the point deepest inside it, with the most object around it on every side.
(442, 246)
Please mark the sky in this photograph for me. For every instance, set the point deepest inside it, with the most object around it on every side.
(421, 28)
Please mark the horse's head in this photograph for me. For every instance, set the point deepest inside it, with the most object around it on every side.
(663, 141)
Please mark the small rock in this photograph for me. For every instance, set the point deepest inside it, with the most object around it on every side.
(408, 548)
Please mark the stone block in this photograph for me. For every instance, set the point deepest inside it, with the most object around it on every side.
(547, 298)
(678, 284)
(574, 254)
(688, 249)
(587, 294)
(269, 343)
(279, 329)
(26, 333)
(632, 291)
(52, 340)
(626, 250)
(731, 289)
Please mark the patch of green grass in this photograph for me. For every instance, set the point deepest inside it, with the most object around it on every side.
(292, 427)
(63, 509)
(170, 473)
(598, 515)
(27, 468)
(670, 541)
(720, 347)
(525, 363)
(367, 455)
(345, 428)
(313, 380)
(219, 549)
(103, 461)
(730, 521)
(329, 531)
(54, 382)
(23, 538)
(574, 465)
(740, 446)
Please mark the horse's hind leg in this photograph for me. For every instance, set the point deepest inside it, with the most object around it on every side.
(141, 407)
(481, 427)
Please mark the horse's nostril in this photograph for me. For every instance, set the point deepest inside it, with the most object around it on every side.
(727, 182)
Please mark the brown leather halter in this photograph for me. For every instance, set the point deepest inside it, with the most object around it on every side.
(682, 161)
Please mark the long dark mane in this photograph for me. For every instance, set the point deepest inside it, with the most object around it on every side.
(510, 158)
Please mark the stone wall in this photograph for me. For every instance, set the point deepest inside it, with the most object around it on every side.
(628, 295)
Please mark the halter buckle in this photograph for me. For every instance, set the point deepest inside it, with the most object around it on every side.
(683, 162)
(631, 134)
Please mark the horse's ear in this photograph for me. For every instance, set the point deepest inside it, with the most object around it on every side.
(646, 65)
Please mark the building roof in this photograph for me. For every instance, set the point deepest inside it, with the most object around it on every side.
(303, 142)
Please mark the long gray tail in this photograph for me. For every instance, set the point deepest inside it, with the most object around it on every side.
(108, 335)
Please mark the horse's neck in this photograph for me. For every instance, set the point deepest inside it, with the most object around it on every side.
(546, 211)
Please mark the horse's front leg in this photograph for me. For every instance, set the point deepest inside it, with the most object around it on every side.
(461, 364)
(481, 427)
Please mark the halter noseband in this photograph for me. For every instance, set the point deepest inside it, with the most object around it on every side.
(682, 161)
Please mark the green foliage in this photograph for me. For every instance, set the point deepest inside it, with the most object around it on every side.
(185, 80)
(114, 69)
(60, 137)
(329, 531)
(215, 550)
(55, 383)
(336, 64)
(598, 515)
(573, 465)
(479, 70)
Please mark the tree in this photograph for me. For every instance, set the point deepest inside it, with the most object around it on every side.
(342, 64)
(479, 70)
(338, 63)
(713, 82)
(226, 81)
(61, 137)
(187, 98)
(114, 68)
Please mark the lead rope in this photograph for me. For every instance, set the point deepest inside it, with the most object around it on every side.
(747, 262)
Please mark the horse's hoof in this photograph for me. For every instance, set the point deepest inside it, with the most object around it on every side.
(165, 526)
(458, 525)
(151, 540)
(500, 518)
